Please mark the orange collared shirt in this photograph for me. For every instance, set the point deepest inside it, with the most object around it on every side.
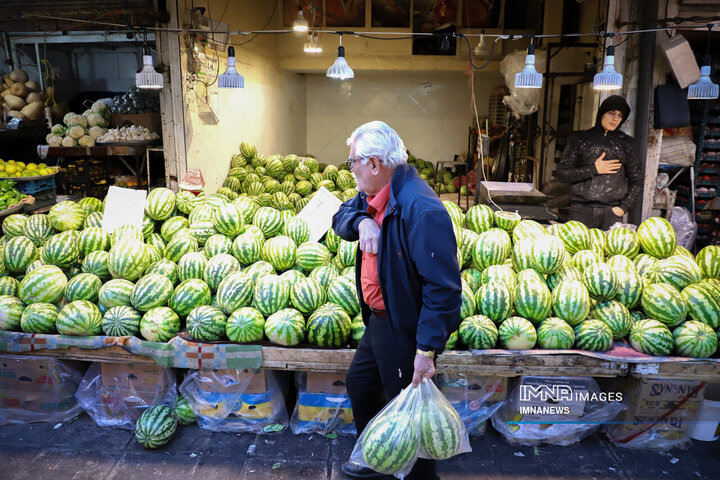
(369, 280)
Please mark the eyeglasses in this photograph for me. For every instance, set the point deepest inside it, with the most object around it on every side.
(351, 161)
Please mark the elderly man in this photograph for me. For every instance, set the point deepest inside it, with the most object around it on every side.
(603, 166)
(407, 277)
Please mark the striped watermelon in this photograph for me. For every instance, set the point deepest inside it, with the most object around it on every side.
(571, 302)
(216, 245)
(247, 248)
(695, 339)
(310, 255)
(342, 291)
(172, 226)
(678, 271)
(499, 274)
(45, 284)
(478, 332)
(179, 246)
(522, 254)
(33, 265)
(630, 287)
(555, 334)
(622, 241)
(532, 300)
(184, 201)
(156, 241)
(527, 229)
(164, 267)
(9, 286)
(81, 318)
(97, 263)
(441, 430)
(39, 318)
(206, 323)
(37, 228)
(202, 230)
(219, 267)
(494, 300)
(152, 290)
(128, 260)
(18, 253)
(664, 302)
(91, 204)
(565, 272)
(183, 412)
(644, 263)
(279, 252)
(191, 265)
(601, 281)
(229, 220)
(621, 262)
(466, 243)
(615, 315)
(473, 277)
(234, 292)
(517, 333)
(530, 275)
(157, 424)
(297, 229)
(584, 258)
(245, 324)
(66, 215)
(708, 259)
(11, 310)
(84, 286)
(246, 208)
(148, 226)
(306, 295)
(324, 274)
(61, 250)
(121, 321)
(636, 315)
(467, 306)
(269, 221)
(594, 336)
(293, 276)
(390, 443)
(651, 337)
(456, 215)
(259, 269)
(126, 232)
(479, 218)
(153, 254)
(491, 248)
(189, 294)
(547, 254)
(506, 220)
(285, 327)
(703, 306)
(14, 225)
(575, 236)
(332, 240)
(160, 203)
(159, 324)
(328, 326)
(657, 237)
(115, 293)
(597, 238)
(347, 252)
(93, 220)
(271, 294)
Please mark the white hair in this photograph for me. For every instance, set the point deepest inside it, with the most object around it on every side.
(377, 139)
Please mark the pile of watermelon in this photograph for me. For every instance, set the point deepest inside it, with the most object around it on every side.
(441, 182)
(222, 269)
(567, 286)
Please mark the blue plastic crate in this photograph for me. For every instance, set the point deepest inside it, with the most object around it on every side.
(33, 186)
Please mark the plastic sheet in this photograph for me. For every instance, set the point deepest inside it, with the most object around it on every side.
(222, 401)
(321, 410)
(476, 399)
(522, 101)
(554, 410)
(395, 438)
(685, 227)
(37, 389)
(116, 394)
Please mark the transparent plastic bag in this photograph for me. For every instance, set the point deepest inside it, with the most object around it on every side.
(554, 410)
(116, 394)
(684, 226)
(401, 433)
(324, 409)
(37, 389)
(223, 400)
(522, 101)
(476, 398)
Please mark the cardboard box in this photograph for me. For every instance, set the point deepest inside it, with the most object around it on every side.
(37, 389)
(326, 382)
(142, 380)
(151, 121)
(474, 388)
(661, 413)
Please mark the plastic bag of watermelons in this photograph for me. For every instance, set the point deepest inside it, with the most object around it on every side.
(419, 422)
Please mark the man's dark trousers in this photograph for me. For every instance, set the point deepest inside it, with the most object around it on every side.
(374, 377)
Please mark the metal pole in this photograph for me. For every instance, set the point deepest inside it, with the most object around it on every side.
(646, 57)
(39, 67)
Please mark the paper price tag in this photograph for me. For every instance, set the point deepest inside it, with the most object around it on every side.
(123, 206)
(318, 213)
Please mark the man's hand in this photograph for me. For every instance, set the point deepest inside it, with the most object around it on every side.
(618, 211)
(605, 167)
(424, 367)
(369, 233)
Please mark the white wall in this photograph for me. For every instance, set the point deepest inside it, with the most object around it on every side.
(430, 112)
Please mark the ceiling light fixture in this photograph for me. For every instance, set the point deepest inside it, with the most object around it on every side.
(529, 77)
(312, 45)
(148, 78)
(340, 69)
(704, 88)
(300, 24)
(609, 78)
(231, 78)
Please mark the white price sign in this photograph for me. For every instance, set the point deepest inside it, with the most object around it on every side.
(123, 206)
(319, 211)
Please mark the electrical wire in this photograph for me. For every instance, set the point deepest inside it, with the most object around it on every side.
(272, 15)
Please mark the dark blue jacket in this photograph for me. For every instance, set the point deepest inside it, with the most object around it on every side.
(417, 261)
